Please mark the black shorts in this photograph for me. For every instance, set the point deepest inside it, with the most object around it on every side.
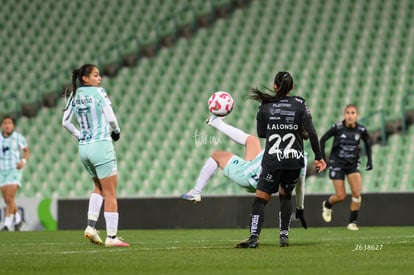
(339, 172)
(269, 181)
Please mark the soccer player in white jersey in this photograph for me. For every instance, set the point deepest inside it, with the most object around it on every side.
(242, 171)
(11, 168)
(98, 127)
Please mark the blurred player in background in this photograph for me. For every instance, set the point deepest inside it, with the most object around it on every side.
(344, 161)
(281, 120)
(242, 171)
(98, 128)
(11, 168)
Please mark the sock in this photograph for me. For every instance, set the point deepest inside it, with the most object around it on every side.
(209, 168)
(17, 217)
(257, 216)
(300, 193)
(327, 204)
(111, 219)
(233, 133)
(95, 204)
(8, 222)
(285, 213)
(354, 216)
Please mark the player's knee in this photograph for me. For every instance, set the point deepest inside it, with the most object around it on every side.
(259, 202)
(340, 197)
(215, 154)
(253, 140)
(221, 157)
(286, 196)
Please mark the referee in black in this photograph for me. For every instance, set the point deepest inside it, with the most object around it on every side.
(281, 120)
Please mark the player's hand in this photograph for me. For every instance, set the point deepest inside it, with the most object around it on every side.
(115, 136)
(299, 215)
(20, 165)
(369, 166)
(320, 165)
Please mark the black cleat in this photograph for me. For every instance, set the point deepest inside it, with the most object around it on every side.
(284, 241)
(18, 226)
(251, 242)
(4, 229)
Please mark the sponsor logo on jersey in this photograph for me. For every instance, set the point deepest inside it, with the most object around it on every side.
(82, 101)
(290, 119)
(5, 149)
(274, 111)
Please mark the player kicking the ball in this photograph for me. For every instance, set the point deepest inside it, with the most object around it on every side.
(242, 171)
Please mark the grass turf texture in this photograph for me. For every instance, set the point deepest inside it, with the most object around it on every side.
(327, 250)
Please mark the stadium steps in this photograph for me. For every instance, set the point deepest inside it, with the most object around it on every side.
(167, 92)
(71, 43)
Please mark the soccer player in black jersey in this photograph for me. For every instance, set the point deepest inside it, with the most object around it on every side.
(344, 161)
(281, 120)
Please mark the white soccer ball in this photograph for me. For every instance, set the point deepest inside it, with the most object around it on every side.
(220, 103)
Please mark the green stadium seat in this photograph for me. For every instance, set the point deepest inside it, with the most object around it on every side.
(328, 55)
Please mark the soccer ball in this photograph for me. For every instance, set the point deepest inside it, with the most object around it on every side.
(220, 103)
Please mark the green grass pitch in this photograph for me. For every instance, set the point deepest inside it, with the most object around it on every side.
(326, 250)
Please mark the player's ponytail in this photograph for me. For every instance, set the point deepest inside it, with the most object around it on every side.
(284, 83)
(262, 97)
(75, 75)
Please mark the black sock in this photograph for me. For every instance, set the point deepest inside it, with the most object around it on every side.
(257, 216)
(354, 216)
(285, 213)
(327, 204)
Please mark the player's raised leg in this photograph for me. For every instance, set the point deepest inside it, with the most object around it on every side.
(232, 132)
(217, 159)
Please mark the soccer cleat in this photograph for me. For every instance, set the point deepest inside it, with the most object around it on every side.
(92, 235)
(212, 118)
(117, 241)
(251, 242)
(326, 213)
(4, 229)
(18, 226)
(284, 240)
(191, 196)
(352, 226)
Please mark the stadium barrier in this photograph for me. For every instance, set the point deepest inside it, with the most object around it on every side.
(378, 209)
(36, 213)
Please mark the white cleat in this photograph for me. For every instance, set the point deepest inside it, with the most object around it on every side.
(352, 226)
(191, 196)
(117, 241)
(213, 118)
(326, 213)
(92, 235)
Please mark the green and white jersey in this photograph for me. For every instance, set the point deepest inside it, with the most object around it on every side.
(87, 105)
(11, 148)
